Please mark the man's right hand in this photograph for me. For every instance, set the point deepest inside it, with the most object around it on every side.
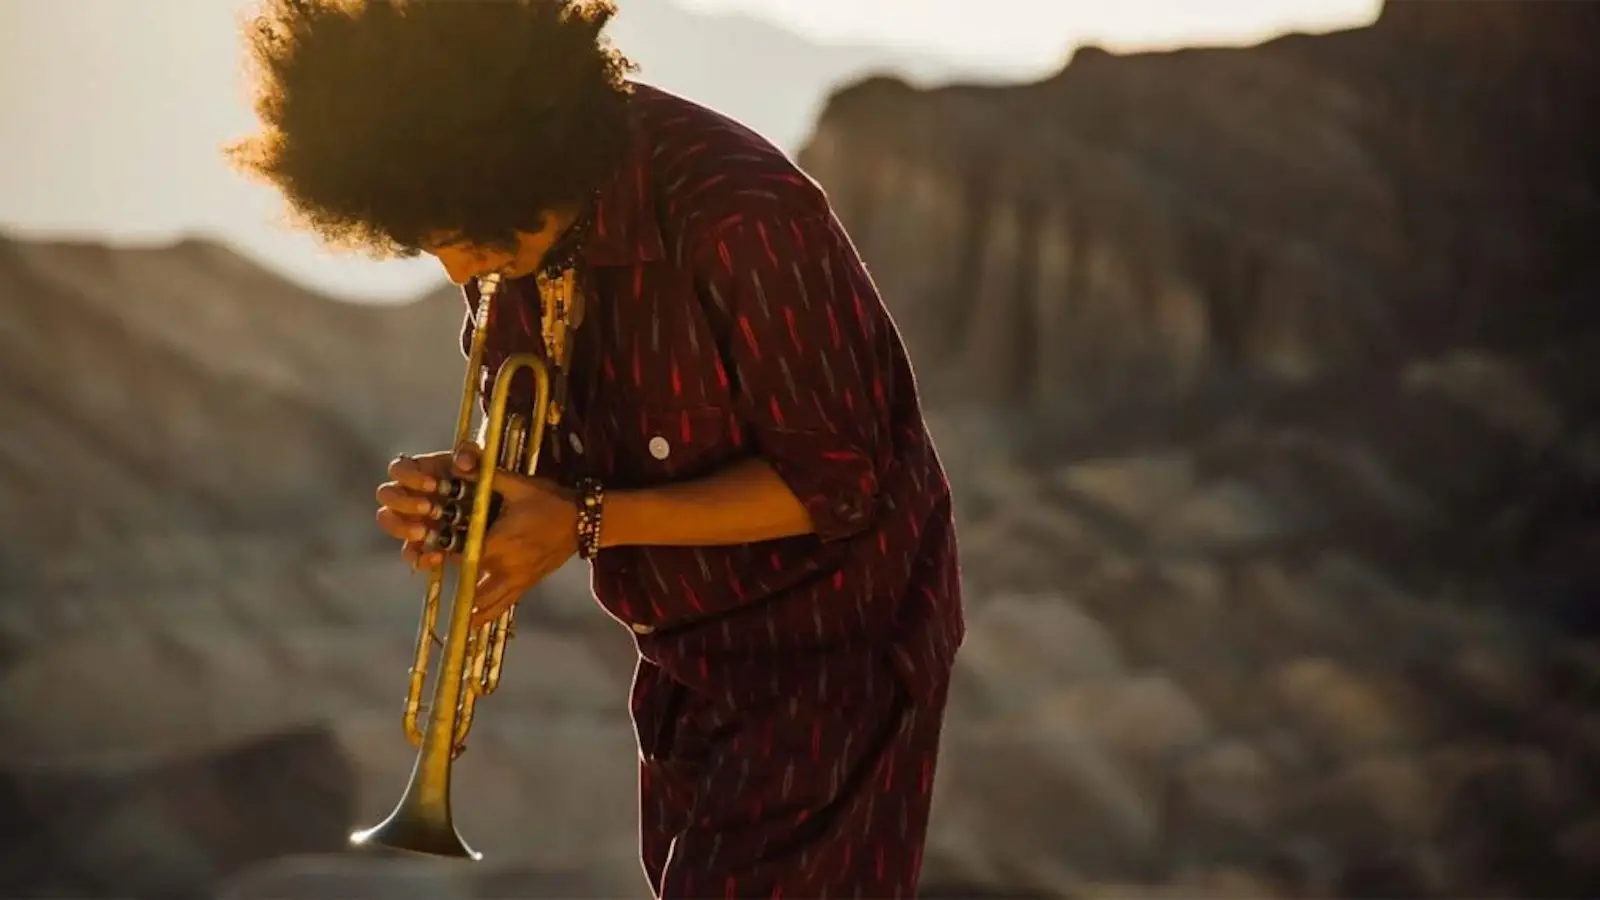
(407, 503)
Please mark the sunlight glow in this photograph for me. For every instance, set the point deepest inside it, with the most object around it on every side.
(1031, 33)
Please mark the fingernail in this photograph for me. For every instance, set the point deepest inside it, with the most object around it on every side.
(430, 484)
(418, 533)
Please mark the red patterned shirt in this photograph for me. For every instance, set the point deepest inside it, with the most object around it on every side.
(730, 316)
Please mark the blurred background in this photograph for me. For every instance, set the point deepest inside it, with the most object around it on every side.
(1259, 337)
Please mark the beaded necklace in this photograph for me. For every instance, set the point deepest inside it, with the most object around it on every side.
(561, 307)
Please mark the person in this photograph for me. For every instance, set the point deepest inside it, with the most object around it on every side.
(737, 449)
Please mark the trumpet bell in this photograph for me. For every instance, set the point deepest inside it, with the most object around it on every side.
(417, 828)
(415, 836)
(412, 836)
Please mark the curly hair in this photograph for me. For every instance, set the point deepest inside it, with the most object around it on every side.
(387, 121)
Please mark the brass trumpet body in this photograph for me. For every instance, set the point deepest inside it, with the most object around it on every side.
(469, 660)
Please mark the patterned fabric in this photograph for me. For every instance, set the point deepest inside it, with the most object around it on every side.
(793, 799)
(730, 316)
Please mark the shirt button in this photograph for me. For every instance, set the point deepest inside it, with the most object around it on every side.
(659, 448)
(575, 441)
(641, 629)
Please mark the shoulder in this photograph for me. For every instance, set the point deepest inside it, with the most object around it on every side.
(710, 171)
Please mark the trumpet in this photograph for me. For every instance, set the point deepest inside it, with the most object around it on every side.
(470, 659)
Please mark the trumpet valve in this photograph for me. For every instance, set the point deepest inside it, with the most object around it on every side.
(445, 540)
(451, 513)
(454, 489)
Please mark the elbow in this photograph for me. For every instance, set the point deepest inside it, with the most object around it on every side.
(840, 494)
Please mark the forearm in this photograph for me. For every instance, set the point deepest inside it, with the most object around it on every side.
(745, 503)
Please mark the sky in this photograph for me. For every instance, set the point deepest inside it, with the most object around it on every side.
(1036, 33)
(117, 140)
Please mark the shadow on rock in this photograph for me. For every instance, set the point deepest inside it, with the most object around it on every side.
(174, 831)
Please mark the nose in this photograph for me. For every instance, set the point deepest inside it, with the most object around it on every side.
(460, 264)
(459, 271)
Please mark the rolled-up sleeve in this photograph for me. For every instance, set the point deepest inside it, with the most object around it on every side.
(807, 353)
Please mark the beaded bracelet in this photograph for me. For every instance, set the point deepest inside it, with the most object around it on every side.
(591, 499)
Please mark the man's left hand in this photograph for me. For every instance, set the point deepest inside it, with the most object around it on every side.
(535, 534)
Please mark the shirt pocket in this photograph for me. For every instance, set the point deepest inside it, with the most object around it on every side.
(678, 444)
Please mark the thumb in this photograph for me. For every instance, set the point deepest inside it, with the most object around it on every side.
(466, 458)
(513, 485)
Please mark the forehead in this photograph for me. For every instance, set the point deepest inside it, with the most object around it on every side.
(444, 240)
(454, 242)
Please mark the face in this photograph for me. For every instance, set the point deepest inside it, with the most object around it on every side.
(464, 261)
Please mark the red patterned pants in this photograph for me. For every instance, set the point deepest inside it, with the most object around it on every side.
(790, 798)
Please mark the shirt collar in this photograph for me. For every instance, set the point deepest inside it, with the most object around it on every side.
(626, 232)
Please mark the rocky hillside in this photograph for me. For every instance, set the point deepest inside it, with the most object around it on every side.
(1164, 226)
(1288, 364)
(1272, 407)
(189, 442)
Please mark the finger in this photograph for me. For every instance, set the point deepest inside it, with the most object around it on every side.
(420, 558)
(395, 496)
(488, 585)
(413, 474)
(401, 527)
(493, 597)
(426, 562)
